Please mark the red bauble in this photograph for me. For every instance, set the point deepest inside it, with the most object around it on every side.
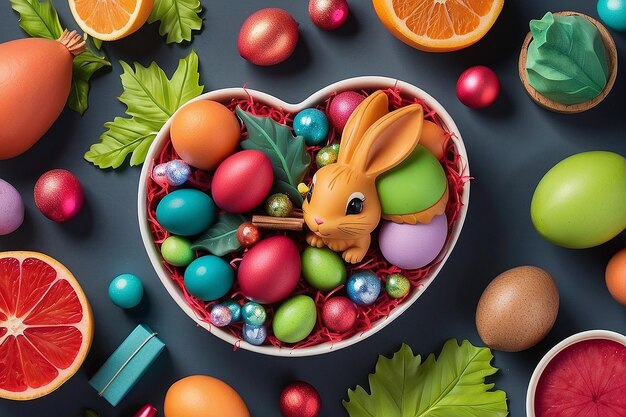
(328, 14)
(270, 270)
(268, 37)
(300, 399)
(339, 314)
(248, 234)
(478, 87)
(59, 195)
(341, 107)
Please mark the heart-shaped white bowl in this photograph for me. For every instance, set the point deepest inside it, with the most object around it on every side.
(357, 84)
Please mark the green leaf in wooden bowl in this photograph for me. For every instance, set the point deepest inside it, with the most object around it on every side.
(221, 238)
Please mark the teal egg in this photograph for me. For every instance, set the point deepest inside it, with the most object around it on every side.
(209, 278)
(186, 212)
(126, 291)
(295, 319)
(613, 13)
(322, 268)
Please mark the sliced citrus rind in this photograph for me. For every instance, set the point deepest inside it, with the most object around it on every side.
(110, 20)
(46, 325)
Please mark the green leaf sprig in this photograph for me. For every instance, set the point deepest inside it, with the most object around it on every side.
(178, 18)
(221, 238)
(151, 99)
(452, 385)
(40, 19)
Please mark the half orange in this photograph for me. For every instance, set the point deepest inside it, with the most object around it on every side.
(46, 326)
(438, 25)
(109, 20)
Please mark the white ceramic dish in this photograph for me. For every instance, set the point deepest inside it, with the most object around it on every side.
(225, 95)
(578, 337)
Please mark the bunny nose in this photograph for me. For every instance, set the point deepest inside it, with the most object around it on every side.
(318, 220)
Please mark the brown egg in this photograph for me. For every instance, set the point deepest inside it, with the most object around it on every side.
(517, 309)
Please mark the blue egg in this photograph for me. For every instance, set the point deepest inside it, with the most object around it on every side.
(235, 309)
(253, 313)
(255, 335)
(186, 212)
(613, 13)
(209, 278)
(363, 288)
(126, 291)
(312, 125)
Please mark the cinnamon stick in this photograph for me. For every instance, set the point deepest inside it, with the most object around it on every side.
(279, 223)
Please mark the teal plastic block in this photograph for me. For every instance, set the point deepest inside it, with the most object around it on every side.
(127, 364)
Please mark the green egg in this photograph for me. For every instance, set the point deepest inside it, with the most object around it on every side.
(322, 268)
(294, 319)
(177, 251)
(581, 201)
(422, 181)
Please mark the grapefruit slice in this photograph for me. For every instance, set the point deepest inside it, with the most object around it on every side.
(109, 20)
(587, 379)
(46, 325)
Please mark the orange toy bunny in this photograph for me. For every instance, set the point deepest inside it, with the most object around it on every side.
(342, 207)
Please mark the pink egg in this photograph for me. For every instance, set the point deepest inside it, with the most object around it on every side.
(11, 208)
(413, 246)
(59, 195)
(342, 106)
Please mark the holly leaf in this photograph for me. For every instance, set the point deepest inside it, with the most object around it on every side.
(178, 18)
(452, 385)
(151, 99)
(288, 154)
(221, 238)
(83, 68)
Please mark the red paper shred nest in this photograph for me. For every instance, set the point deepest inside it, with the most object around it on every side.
(374, 261)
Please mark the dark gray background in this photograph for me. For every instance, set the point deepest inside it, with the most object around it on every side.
(511, 145)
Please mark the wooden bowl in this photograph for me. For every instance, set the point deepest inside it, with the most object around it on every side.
(545, 102)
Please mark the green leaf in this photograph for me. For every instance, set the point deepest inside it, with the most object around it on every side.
(38, 18)
(452, 385)
(97, 43)
(178, 18)
(83, 68)
(288, 154)
(221, 238)
(151, 99)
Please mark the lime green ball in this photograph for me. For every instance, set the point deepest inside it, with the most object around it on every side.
(177, 251)
(323, 269)
(397, 285)
(295, 319)
(326, 156)
(335, 147)
(278, 205)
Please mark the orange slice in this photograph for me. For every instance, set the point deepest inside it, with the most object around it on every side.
(109, 20)
(438, 25)
(46, 325)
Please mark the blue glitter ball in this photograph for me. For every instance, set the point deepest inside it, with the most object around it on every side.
(311, 124)
(235, 309)
(255, 335)
(363, 288)
(177, 172)
(253, 313)
(221, 315)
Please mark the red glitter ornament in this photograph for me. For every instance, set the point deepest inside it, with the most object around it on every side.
(300, 399)
(59, 195)
(478, 87)
(328, 14)
(339, 314)
(341, 107)
(248, 234)
(268, 37)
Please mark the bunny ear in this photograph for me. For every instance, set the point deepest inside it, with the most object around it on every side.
(375, 106)
(389, 140)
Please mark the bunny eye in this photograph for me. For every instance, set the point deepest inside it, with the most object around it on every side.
(355, 203)
(310, 193)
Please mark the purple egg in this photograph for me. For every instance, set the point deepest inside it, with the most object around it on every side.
(11, 208)
(413, 246)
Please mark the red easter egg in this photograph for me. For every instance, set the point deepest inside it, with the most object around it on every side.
(242, 181)
(328, 14)
(268, 37)
(270, 270)
(339, 314)
(342, 106)
(59, 195)
(300, 399)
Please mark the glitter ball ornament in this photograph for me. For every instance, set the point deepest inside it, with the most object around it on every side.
(221, 315)
(613, 13)
(278, 205)
(339, 314)
(312, 125)
(478, 87)
(363, 287)
(173, 173)
(328, 14)
(235, 309)
(255, 335)
(326, 156)
(248, 234)
(397, 285)
(342, 106)
(300, 399)
(253, 313)
(268, 37)
(59, 195)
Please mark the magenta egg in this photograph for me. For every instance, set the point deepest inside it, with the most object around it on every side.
(270, 270)
(342, 106)
(328, 14)
(339, 314)
(59, 195)
(478, 87)
(413, 246)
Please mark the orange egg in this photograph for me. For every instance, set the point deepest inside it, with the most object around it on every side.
(203, 396)
(204, 133)
(616, 276)
(434, 138)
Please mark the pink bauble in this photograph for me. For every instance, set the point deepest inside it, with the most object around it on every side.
(59, 195)
(339, 314)
(268, 37)
(299, 399)
(413, 246)
(342, 106)
(328, 14)
(478, 87)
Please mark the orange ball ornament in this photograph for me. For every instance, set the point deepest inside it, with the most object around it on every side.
(616, 276)
(204, 133)
(203, 396)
